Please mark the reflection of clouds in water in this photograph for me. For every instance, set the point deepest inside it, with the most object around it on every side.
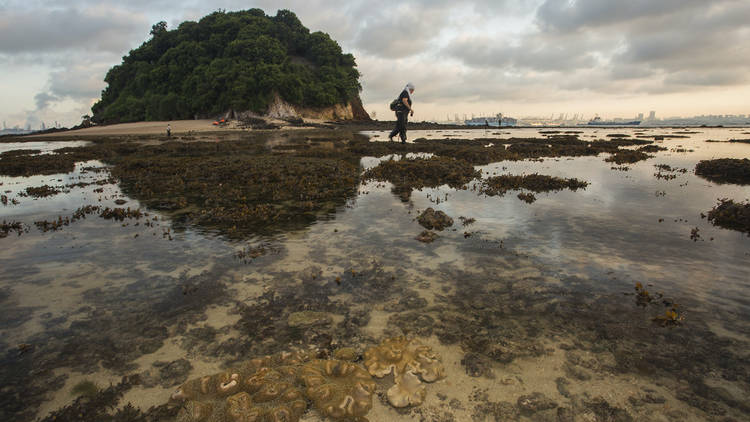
(64, 203)
(612, 225)
(40, 145)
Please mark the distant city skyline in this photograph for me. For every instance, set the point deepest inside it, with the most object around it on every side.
(518, 57)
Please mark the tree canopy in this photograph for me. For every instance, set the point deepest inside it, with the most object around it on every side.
(227, 60)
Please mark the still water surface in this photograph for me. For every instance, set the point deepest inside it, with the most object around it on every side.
(552, 282)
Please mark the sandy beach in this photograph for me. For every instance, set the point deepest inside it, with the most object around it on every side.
(179, 127)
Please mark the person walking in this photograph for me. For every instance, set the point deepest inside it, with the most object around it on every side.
(403, 110)
(169, 131)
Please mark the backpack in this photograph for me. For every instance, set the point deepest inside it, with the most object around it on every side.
(396, 104)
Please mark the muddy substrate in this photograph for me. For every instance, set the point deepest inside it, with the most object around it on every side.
(725, 170)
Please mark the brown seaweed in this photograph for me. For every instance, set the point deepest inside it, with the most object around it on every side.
(731, 215)
(499, 185)
(725, 170)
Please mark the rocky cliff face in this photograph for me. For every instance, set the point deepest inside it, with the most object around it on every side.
(279, 109)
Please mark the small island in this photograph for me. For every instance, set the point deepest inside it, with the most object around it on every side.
(236, 63)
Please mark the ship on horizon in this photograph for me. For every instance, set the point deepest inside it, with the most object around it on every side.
(597, 121)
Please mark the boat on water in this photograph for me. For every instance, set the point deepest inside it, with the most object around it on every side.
(597, 121)
(496, 121)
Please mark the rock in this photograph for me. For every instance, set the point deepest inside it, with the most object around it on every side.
(564, 415)
(307, 319)
(345, 353)
(477, 365)
(413, 323)
(649, 398)
(502, 411)
(431, 219)
(174, 373)
(535, 402)
(427, 236)
(576, 372)
(606, 412)
(562, 386)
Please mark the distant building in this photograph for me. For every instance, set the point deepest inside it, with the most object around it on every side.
(640, 116)
(652, 115)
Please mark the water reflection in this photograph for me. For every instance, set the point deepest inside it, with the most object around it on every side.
(532, 301)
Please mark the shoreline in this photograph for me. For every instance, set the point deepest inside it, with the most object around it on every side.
(205, 126)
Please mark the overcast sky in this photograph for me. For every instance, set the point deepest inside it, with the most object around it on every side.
(518, 57)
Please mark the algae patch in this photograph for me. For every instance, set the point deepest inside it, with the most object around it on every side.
(499, 185)
(725, 170)
(731, 215)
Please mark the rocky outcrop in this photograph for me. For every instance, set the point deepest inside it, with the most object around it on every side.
(280, 109)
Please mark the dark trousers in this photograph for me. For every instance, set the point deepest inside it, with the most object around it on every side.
(401, 118)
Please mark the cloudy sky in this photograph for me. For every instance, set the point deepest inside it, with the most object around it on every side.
(519, 57)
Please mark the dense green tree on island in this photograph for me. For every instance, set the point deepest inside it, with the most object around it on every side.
(227, 60)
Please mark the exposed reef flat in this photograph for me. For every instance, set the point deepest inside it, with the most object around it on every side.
(731, 215)
(499, 185)
(531, 315)
(725, 170)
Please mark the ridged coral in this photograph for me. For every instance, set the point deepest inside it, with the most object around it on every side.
(399, 355)
(339, 389)
(408, 391)
(262, 389)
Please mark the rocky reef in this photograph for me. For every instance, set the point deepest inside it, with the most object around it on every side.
(725, 170)
(731, 215)
(41, 191)
(410, 362)
(434, 220)
(427, 236)
(409, 174)
(262, 389)
(340, 390)
(277, 387)
(7, 227)
(499, 185)
(30, 164)
(626, 156)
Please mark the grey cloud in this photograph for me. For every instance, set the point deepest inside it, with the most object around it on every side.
(702, 49)
(711, 39)
(566, 48)
(448, 83)
(43, 100)
(630, 71)
(532, 53)
(566, 15)
(47, 30)
(81, 81)
(400, 32)
(711, 78)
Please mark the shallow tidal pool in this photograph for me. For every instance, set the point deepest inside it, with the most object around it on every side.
(558, 309)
